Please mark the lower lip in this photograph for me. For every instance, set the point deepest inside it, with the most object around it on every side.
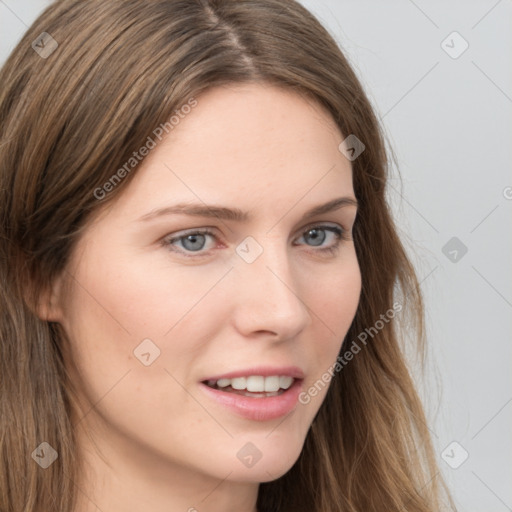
(258, 409)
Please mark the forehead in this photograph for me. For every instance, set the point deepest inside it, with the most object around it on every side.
(242, 145)
(251, 121)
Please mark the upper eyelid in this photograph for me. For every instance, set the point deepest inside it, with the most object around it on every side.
(210, 229)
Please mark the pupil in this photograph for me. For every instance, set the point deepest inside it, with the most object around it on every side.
(194, 239)
(317, 237)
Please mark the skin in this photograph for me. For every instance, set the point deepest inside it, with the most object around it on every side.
(149, 438)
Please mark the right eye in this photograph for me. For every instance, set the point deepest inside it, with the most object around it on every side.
(193, 241)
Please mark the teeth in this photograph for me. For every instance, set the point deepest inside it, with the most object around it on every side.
(239, 383)
(285, 382)
(256, 383)
(271, 383)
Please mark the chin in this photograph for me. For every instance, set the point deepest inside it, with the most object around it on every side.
(275, 460)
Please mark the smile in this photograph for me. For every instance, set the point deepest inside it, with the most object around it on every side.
(255, 405)
(255, 386)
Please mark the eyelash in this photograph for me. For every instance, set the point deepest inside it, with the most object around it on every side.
(341, 235)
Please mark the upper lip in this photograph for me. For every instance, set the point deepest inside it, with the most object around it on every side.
(264, 371)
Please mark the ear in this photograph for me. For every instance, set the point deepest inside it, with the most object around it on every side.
(49, 303)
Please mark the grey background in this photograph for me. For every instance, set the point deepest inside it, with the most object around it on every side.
(449, 121)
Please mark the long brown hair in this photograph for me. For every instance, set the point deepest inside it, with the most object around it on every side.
(81, 92)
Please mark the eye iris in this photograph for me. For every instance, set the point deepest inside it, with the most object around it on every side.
(194, 239)
(318, 236)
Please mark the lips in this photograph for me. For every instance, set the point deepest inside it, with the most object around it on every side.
(256, 406)
(258, 393)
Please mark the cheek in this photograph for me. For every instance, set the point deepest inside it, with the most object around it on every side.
(334, 299)
(333, 304)
(139, 298)
(125, 312)
(110, 312)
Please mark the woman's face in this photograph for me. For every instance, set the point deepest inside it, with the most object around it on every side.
(152, 313)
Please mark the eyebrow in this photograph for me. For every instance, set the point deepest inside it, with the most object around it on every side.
(237, 215)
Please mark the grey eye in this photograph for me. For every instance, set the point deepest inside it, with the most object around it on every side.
(193, 242)
(316, 236)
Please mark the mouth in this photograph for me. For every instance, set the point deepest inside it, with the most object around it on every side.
(255, 397)
(254, 386)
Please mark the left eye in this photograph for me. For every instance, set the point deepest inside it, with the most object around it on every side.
(194, 241)
(317, 234)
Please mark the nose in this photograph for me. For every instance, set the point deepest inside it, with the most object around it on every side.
(268, 297)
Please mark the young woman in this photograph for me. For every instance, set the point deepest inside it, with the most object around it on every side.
(202, 288)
